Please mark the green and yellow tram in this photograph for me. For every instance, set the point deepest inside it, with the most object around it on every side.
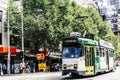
(83, 56)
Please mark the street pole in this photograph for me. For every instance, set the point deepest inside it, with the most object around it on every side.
(8, 37)
(23, 60)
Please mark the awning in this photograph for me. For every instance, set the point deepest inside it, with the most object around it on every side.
(5, 49)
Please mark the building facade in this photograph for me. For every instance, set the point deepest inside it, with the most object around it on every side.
(109, 10)
(4, 37)
(3, 33)
(3, 9)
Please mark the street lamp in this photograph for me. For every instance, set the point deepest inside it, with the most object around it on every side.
(23, 59)
(8, 42)
(22, 36)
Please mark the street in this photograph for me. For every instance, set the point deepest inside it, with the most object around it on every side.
(57, 76)
(107, 76)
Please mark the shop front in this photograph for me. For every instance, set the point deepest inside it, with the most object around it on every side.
(4, 56)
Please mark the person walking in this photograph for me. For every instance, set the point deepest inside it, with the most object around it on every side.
(4, 68)
(21, 67)
(13, 68)
(1, 71)
(34, 67)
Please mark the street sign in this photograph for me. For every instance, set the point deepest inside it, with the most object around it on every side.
(41, 66)
(40, 56)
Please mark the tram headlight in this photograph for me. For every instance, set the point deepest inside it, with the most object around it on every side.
(75, 66)
(64, 66)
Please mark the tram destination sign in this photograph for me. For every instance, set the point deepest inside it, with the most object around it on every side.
(70, 40)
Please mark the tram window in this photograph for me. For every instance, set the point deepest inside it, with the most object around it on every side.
(82, 53)
(71, 52)
(110, 53)
(97, 51)
(88, 49)
(101, 52)
(100, 49)
(101, 55)
(106, 50)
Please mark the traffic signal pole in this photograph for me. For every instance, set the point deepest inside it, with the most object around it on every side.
(23, 59)
(8, 42)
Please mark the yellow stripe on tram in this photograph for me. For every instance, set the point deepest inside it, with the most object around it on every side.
(89, 70)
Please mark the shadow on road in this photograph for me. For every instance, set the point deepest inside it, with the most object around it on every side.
(78, 77)
(84, 77)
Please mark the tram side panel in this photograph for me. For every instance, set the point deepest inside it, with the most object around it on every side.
(103, 59)
(97, 59)
(111, 59)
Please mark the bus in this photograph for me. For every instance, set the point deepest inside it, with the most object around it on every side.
(86, 57)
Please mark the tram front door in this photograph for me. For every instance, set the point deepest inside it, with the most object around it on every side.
(89, 60)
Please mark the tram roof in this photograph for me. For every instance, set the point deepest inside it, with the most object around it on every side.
(87, 41)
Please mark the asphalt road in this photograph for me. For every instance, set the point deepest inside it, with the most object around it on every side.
(115, 75)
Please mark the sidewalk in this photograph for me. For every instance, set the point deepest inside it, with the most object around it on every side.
(19, 74)
(29, 76)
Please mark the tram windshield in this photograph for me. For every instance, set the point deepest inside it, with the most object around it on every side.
(71, 52)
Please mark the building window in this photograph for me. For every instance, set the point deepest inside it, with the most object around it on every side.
(115, 27)
(114, 2)
(1, 15)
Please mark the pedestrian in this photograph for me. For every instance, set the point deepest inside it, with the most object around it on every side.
(28, 68)
(1, 71)
(4, 68)
(12, 68)
(48, 68)
(34, 67)
(21, 66)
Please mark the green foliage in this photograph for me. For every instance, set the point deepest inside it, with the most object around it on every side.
(14, 20)
(52, 24)
(47, 22)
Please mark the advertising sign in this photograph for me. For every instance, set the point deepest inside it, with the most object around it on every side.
(41, 66)
(40, 56)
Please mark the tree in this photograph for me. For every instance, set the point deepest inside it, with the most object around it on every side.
(15, 20)
(47, 22)
(51, 26)
(60, 17)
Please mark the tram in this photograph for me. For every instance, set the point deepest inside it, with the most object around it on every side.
(86, 57)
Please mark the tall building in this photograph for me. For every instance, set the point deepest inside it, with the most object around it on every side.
(109, 10)
(3, 34)
(3, 10)
(85, 3)
(110, 14)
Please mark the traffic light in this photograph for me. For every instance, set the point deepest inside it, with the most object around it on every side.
(13, 40)
(20, 55)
